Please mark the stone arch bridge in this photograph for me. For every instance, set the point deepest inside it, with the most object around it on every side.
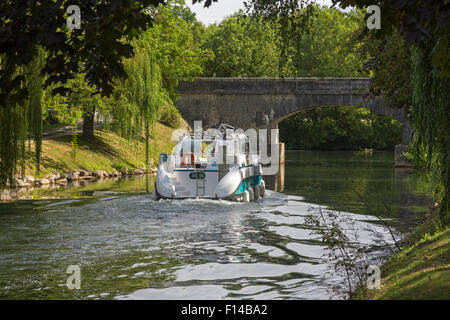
(264, 102)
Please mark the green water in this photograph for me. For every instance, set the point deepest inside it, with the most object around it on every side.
(359, 184)
(130, 247)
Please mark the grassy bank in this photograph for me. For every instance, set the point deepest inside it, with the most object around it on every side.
(421, 270)
(108, 152)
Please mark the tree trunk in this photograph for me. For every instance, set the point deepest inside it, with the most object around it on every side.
(88, 125)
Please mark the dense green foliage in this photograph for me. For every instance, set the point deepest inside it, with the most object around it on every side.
(249, 47)
(172, 42)
(22, 122)
(95, 49)
(35, 84)
(142, 92)
(418, 21)
(431, 118)
(242, 48)
(287, 18)
(330, 49)
(390, 68)
(339, 128)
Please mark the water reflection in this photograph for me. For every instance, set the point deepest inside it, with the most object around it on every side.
(275, 182)
(366, 185)
(129, 184)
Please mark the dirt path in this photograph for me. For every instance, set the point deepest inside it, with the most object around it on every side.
(67, 130)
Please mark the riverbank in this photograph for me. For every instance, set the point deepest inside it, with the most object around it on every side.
(107, 156)
(421, 270)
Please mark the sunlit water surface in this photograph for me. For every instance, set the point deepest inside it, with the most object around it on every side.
(130, 247)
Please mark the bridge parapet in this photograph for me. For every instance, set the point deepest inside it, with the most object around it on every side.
(273, 86)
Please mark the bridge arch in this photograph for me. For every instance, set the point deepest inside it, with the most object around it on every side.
(264, 102)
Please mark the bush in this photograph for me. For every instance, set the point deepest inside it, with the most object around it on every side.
(170, 116)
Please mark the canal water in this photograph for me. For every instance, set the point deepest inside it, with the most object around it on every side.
(130, 247)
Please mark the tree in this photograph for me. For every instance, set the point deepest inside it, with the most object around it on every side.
(35, 84)
(97, 47)
(82, 102)
(171, 42)
(339, 128)
(329, 49)
(390, 69)
(242, 47)
(22, 122)
(84, 97)
(143, 94)
(431, 120)
(418, 22)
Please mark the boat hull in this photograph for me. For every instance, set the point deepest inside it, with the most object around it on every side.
(184, 184)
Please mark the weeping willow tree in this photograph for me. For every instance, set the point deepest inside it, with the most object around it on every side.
(140, 96)
(19, 123)
(431, 119)
(35, 86)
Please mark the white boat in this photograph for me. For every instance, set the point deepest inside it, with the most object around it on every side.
(214, 164)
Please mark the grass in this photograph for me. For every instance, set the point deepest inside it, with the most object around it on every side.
(108, 151)
(421, 270)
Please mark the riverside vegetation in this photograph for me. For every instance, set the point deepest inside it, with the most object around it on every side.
(421, 268)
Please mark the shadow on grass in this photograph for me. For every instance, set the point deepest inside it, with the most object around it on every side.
(51, 163)
(115, 149)
(96, 145)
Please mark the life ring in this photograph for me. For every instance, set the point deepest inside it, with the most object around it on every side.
(185, 159)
